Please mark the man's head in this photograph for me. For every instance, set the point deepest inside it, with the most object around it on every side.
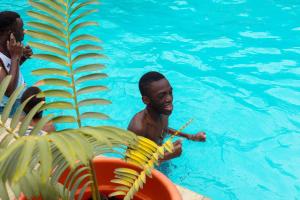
(32, 91)
(11, 22)
(156, 92)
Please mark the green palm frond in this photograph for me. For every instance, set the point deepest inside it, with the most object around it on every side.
(146, 155)
(52, 154)
(13, 128)
(57, 34)
(31, 185)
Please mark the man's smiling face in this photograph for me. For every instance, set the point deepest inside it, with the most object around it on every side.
(160, 94)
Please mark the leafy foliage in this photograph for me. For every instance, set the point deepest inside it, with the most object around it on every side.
(146, 155)
(57, 33)
(33, 164)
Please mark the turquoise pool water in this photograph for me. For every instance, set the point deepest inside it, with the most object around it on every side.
(234, 66)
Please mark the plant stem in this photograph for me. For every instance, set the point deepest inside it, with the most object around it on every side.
(94, 186)
(70, 64)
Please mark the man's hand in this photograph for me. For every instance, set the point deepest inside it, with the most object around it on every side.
(176, 151)
(201, 136)
(177, 148)
(14, 48)
(27, 52)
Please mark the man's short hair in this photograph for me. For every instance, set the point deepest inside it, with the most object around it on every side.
(7, 20)
(33, 101)
(147, 79)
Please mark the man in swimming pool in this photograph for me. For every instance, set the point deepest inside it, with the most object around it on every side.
(152, 122)
(12, 51)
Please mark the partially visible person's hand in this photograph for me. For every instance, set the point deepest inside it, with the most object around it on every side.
(14, 48)
(177, 149)
(27, 52)
(201, 136)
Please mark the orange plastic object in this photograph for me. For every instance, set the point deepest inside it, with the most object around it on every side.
(159, 187)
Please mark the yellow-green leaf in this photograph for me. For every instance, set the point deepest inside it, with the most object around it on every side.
(82, 25)
(90, 67)
(118, 193)
(49, 48)
(46, 36)
(28, 118)
(12, 99)
(82, 15)
(121, 182)
(55, 93)
(64, 119)
(90, 77)
(37, 130)
(87, 56)
(81, 5)
(54, 81)
(51, 58)
(50, 71)
(3, 86)
(86, 47)
(45, 158)
(88, 102)
(47, 9)
(91, 89)
(84, 37)
(93, 115)
(128, 171)
(48, 28)
(58, 105)
(46, 18)
(54, 5)
(24, 159)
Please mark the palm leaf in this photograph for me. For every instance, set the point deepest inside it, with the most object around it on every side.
(89, 77)
(48, 28)
(56, 23)
(47, 19)
(90, 67)
(45, 47)
(12, 99)
(52, 71)
(146, 155)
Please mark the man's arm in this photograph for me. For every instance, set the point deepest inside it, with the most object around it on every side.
(201, 136)
(15, 50)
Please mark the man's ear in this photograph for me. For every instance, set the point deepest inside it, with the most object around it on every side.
(146, 100)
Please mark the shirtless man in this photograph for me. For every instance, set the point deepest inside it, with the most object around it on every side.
(152, 122)
(12, 51)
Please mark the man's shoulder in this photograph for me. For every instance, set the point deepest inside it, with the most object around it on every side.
(136, 123)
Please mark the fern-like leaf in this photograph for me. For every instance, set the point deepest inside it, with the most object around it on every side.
(55, 32)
